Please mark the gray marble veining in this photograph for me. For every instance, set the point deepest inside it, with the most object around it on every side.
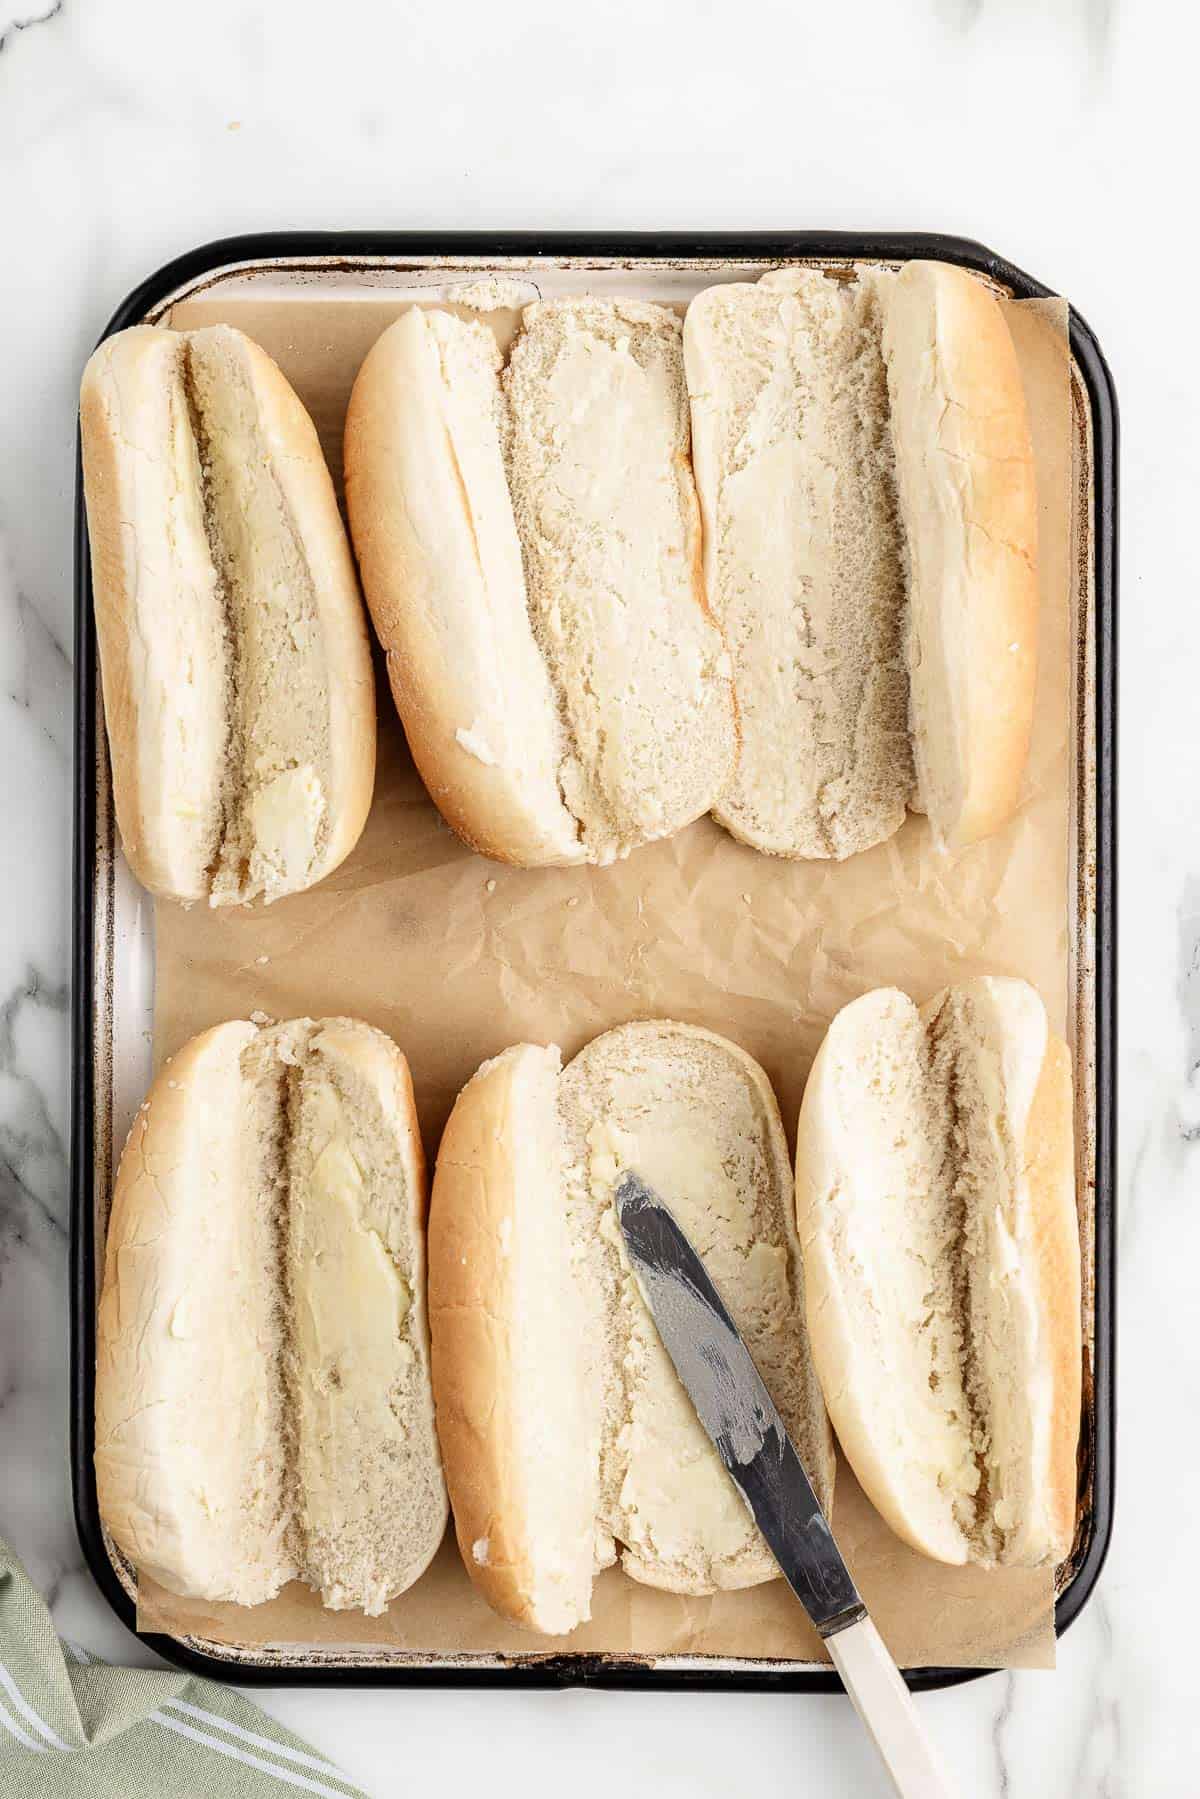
(27, 22)
(1063, 135)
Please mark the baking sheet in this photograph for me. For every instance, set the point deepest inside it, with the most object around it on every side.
(457, 957)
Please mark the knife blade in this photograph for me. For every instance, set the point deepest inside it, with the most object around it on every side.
(720, 1378)
(735, 1408)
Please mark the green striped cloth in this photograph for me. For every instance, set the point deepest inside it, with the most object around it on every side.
(73, 1726)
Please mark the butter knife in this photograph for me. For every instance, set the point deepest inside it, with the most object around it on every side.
(722, 1382)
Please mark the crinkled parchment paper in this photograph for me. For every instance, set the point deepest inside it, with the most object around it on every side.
(456, 957)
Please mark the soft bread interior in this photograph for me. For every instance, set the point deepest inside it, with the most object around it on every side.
(371, 1501)
(276, 778)
(237, 677)
(597, 451)
(941, 1346)
(270, 1201)
(567, 1437)
(698, 1121)
(530, 547)
(804, 557)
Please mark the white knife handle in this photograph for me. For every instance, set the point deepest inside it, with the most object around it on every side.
(885, 1705)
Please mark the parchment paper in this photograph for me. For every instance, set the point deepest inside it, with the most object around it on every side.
(457, 957)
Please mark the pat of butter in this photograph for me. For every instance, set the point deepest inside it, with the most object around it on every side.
(1005, 1249)
(336, 1174)
(285, 817)
(609, 1151)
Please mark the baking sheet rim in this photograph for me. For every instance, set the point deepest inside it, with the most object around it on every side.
(1089, 784)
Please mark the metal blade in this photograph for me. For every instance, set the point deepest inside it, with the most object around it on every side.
(735, 1408)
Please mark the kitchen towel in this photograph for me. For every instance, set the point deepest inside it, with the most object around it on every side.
(72, 1727)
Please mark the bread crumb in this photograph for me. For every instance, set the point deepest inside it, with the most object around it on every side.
(491, 886)
(260, 1018)
(172, 1083)
(261, 959)
(492, 293)
(480, 1550)
(746, 898)
(573, 901)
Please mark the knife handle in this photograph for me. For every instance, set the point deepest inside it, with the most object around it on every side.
(885, 1705)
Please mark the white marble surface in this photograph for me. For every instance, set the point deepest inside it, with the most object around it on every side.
(1062, 132)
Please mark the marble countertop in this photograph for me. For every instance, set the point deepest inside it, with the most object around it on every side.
(1060, 132)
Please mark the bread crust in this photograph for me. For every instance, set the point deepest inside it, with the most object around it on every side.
(145, 1338)
(124, 405)
(158, 611)
(441, 568)
(472, 1309)
(1055, 1251)
(968, 500)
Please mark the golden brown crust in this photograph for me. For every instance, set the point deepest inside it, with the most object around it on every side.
(969, 503)
(436, 547)
(1050, 1171)
(144, 1334)
(471, 1313)
(984, 375)
(101, 483)
(118, 407)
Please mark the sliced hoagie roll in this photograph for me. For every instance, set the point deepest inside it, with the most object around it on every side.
(567, 1438)
(529, 542)
(238, 691)
(263, 1401)
(935, 1194)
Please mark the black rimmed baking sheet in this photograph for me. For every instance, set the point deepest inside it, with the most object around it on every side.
(321, 255)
